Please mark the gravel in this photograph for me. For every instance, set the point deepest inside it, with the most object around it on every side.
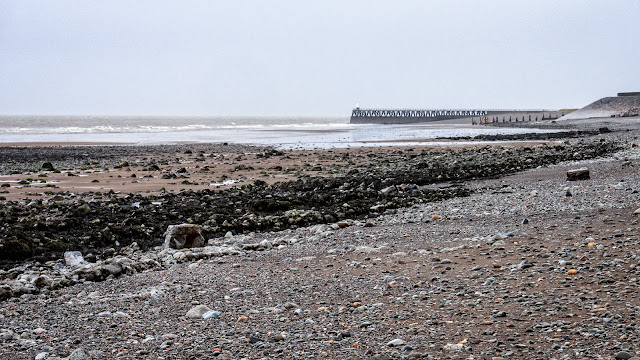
(463, 278)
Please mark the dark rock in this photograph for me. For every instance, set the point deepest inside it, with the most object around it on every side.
(623, 355)
(5, 292)
(578, 174)
(47, 166)
(329, 218)
(42, 281)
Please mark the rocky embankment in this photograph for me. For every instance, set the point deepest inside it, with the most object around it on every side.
(99, 223)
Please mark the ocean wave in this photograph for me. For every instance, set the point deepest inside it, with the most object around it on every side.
(108, 129)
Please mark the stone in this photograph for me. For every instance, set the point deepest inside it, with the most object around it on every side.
(113, 269)
(73, 258)
(453, 347)
(366, 324)
(42, 281)
(254, 340)
(329, 218)
(623, 355)
(104, 314)
(343, 223)
(42, 355)
(78, 354)
(395, 342)
(366, 249)
(637, 212)
(183, 236)
(211, 314)
(390, 190)
(524, 265)
(198, 311)
(578, 174)
(47, 166)
(5, 292)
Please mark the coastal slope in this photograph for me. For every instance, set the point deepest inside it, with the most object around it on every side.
(615, 106)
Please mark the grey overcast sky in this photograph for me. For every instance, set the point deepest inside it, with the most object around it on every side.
(294, 57)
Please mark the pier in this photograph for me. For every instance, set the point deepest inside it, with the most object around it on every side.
(475, 117)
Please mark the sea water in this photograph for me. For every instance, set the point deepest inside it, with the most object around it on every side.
(280, 132)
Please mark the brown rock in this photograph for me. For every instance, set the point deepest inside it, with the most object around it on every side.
(578, 174)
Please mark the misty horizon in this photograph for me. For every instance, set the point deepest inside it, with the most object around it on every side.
(286, 58)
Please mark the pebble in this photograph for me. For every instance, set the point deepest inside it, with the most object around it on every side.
(253, 340)
(198, 311)
(78, 354)
(434, 309)
(453, 347)
(395, 342)
(211, 314)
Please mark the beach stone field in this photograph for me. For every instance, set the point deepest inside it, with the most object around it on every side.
(506, 250)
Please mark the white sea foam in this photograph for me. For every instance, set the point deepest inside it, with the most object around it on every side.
(304, 133)
(106, 125)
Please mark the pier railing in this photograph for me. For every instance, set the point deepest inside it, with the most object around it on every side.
(398, 116)
(414, 113)
(433, 112)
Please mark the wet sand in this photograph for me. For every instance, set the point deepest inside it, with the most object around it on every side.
(156, 169)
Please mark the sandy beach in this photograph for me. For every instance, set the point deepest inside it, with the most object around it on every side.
(474, 252)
